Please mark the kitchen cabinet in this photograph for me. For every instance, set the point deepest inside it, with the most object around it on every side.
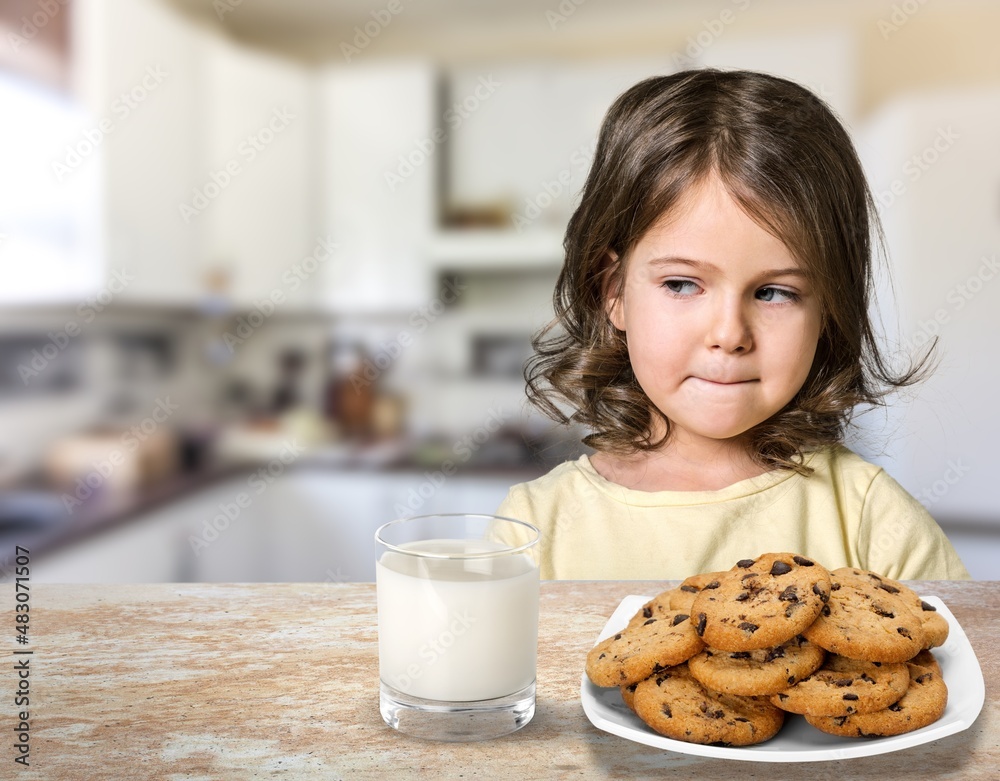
(258, 147)
(218, 534)
(521, 138)
(380, 147)
(324, 521)
(137, 71)
(206, 156)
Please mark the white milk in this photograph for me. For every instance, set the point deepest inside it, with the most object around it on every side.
(457, 630)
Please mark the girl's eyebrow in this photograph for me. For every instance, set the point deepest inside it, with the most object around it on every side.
(772, 272)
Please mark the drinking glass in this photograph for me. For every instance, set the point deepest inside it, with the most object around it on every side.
(457, 625)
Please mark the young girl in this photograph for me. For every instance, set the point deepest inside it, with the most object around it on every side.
(712, 331)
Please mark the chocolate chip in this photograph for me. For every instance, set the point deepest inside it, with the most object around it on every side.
(618, 636)
(926, 606)
(713, 584)
(748, 576)
(791, 679)
(882, 612)
(780, 568)
(826, 610)
(679, 618)
(700, 626)
(667, 712)
(895, 707)
(850, 696)
(689, 589)
(843, 682)
(647, 612)
(887, 587)
(744, 563)
(802, 561)
(924, 677)
(602, 656)
(741, 719)
(650, 621)
(775, 653)
(746, 626)
(790, 594)
(903, 631)
(834, 587)
(712, 714)
(867, 678)
(823, 596)
(743, 596)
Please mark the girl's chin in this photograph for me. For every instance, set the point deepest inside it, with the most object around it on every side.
(715, 431)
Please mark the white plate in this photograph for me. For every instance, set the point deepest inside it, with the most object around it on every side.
(798, 741)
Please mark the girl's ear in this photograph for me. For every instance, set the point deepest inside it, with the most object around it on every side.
(612, 290)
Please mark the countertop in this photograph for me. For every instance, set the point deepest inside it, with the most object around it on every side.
(206, 681)
(105, 514)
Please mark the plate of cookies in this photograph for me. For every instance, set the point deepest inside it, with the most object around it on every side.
(781, 660)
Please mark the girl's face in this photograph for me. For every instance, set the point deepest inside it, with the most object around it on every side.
(720, 320)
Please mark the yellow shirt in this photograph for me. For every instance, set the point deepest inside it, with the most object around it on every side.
(847, 513)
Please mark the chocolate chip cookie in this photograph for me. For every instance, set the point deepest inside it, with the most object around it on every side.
(761, 602)
(691, 587)
(862, 620)
(844, 686)
(926, 659)
(922, 704)
(754, 673)
(675, 704)
(638, 651)
(657, 607)
(935, 625)
(628, 696)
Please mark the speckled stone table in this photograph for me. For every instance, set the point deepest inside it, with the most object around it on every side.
(215, 682)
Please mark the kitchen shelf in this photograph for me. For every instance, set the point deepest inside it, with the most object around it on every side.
(496, 249)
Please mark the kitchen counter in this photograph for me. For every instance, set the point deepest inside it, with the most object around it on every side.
(218, 682)
(108, 513)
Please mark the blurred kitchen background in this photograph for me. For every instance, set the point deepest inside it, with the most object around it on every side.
(271, 267)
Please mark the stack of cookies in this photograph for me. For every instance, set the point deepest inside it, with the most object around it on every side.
(722, 658)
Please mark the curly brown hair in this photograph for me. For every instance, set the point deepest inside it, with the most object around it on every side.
(790, 165)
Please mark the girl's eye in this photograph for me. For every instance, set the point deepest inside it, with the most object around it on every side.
(681, 287)
(776, 295)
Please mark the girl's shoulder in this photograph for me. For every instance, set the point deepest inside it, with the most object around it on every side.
(841, 461)
(568, 472)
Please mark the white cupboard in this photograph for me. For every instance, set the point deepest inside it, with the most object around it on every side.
(137, 68)
(380, 145)
(258, 167)
(205, 159)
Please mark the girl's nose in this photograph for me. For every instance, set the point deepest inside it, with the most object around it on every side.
(730, 329)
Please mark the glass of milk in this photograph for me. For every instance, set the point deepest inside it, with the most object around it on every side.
(457, 625)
